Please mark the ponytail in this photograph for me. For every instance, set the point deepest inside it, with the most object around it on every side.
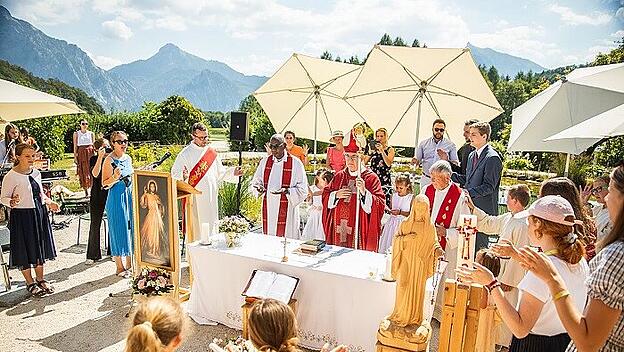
(567, 239)
(273, 326)
(143, 338)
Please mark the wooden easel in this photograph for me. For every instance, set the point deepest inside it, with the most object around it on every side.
(460, 317)
(184, 193)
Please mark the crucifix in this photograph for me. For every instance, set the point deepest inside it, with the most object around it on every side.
(343, 229)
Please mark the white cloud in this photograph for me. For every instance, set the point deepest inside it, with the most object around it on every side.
(568, 16)
(618, 35)
(48, 12)
(523, 41)
(104, 62)
(116, 29)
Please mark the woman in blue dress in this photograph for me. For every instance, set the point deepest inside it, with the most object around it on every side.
(117, 176)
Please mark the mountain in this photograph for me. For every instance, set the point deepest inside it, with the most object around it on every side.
(505, 64)
(208, 84)
(24, 45)
(52, 86)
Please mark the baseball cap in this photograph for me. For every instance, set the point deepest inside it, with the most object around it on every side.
(552, 208)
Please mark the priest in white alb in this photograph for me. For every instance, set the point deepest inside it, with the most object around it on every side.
(282, 183)
(447, 202)
(200, 166)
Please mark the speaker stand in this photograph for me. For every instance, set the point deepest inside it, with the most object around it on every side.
(240, 179)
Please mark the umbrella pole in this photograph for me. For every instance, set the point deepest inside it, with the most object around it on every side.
(356, 237)
(315, 127)
(417, 135)
(567, 166)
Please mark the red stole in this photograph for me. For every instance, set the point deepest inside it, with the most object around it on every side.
(445, 214)
(197, 174)
(339, 222)
(283, 207)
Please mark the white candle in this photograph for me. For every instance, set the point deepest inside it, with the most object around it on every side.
(205, 233)
(388, 271)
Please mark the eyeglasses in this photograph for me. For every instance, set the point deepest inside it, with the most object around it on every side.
(121, 141)
(597, 190)
(439, 129)
(201, 138)
(84, 124)
(275, 146)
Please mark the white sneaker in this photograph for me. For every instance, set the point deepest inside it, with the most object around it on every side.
(89, 262)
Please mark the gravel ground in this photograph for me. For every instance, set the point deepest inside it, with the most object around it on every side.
(81, 315)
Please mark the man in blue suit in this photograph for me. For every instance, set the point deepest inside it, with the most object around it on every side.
(483, 173)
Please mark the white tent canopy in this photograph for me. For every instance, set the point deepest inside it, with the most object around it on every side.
(18, 102)
(305, 96)
(405, 89)
(608, 124)
(584, 93)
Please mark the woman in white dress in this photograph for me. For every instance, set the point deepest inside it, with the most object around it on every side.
(401, 204)
(314, 227)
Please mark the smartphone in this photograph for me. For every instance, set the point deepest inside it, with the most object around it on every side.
(108, 149)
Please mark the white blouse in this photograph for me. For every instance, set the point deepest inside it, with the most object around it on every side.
(84, 138)
(16, 183)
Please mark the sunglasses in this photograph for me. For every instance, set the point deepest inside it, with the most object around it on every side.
(597, 190)
(84, 124)
(201, 138)
(275, 146)
(439, 129)
(121, 141)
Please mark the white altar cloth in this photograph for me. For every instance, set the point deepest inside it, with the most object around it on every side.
(337, 301)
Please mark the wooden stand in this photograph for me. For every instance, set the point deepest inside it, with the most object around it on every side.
(247, 308)
(184, 193)
(460, 317)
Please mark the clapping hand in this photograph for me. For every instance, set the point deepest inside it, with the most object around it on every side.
(442, 154)
(477, 274)
(538, 264)
(15, 200)
(504, 248)
(306, 149)
(585, 193)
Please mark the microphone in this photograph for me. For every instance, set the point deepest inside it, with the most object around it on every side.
(157, 163)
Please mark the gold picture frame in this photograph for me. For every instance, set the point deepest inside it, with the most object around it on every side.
(156, 238)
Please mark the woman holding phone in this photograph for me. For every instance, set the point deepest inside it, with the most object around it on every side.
(97, 201)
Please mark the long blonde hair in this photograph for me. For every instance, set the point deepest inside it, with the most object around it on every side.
(273, 326)
(156, 323)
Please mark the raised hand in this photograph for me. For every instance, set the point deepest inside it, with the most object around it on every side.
(478, 274)
(538, 264)
(267, 148)
(504, 248)
(306, 149)
(585, 193)
(442, 154)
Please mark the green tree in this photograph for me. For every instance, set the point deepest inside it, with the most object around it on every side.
(398, 41)
(174, 119)
(493, 76)
(385, 40)
(326, 55)
(615, 56)
(416, 43)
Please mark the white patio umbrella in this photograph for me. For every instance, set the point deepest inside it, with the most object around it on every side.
(608, 124)
(405, 89)
(582, 94)
(306, 96)
(18, 102)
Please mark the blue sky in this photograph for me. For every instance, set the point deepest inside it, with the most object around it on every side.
(255, 37)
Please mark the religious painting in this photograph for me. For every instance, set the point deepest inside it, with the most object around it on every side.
(154, 220)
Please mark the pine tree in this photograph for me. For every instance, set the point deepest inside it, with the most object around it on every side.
(326, 55)
(415, 44)
(398, 41)
(385, 40)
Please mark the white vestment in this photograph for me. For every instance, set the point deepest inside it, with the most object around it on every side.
(452, 235)
(516, 230)
(297, 193)
(207, 203)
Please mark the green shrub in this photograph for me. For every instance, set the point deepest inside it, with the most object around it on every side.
(518, 162)
(580, 168)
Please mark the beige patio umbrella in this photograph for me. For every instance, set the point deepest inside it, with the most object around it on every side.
(18, 102)
(405, 89)
(306, 96)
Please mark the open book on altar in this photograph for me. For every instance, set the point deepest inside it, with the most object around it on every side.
(267, 284)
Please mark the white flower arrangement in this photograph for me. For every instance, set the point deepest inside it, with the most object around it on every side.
(234, 228)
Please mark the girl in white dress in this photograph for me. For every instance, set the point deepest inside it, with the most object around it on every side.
(401, 202)
(314, 227)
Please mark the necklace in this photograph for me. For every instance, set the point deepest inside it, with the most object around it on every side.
(554, 251)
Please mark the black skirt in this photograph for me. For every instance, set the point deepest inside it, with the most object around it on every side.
(31, 234)
(540, 343)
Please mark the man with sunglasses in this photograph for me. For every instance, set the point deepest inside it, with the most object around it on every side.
(432, 149)
(200, 166)
(282, 183)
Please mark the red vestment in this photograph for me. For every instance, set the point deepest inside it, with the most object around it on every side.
(339, 222)
(447, 208)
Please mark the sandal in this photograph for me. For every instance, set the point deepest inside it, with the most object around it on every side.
(43, 285)
(34, 290)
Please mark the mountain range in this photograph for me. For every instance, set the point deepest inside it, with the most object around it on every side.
(208, 84)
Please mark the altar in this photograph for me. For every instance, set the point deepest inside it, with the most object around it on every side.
(339, 301)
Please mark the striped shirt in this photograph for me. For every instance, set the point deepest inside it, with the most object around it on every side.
(606, 283)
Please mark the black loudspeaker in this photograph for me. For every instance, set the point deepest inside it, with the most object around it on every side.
(239, 126)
